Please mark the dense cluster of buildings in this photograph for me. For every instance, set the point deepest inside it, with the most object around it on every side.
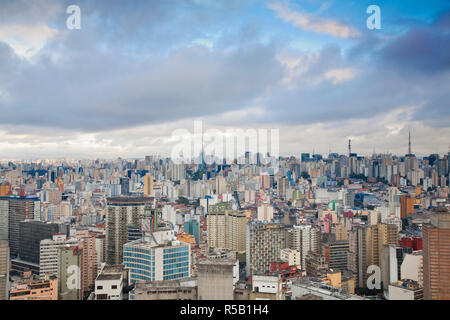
(341, 227)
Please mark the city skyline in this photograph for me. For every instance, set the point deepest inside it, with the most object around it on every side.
(297, 155)
(244, 151)
(124, 82)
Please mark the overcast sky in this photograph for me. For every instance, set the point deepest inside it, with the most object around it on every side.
(137, 71)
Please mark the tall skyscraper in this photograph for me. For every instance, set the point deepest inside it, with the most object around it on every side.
(264, 243)
(89, 266)
(125, 186)
(148, 185)
(304, 238)
(406, 206)
(4, 218)
(31, 232)
(357, 255)
(120, 213)
(378, 236)
(436, 256)
(365, 248)
(409, 142)
(226, 228)
(17, 209)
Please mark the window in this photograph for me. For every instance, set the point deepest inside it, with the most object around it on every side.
(99, 287)
(113, 287)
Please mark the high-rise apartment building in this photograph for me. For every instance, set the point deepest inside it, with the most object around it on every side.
(336, 254)
(365, 248)
(226, 228)
(265, 212)
(304, 238)
(121, 212)
(4, 218)
(406, 206)
(125, 186)
(49, 253)
(89, 265)
(378, 236)
(221, 185)
(357, 255)
(264, 180)
(178, 171)
(4, 270)
(16, 209)
(148, 185)
(436, 256)
(265, 240)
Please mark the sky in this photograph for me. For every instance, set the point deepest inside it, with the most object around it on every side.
(138, 71)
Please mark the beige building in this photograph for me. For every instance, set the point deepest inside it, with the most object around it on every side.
(304, 238)
(264, 244)
(340, 231)
(405, 290)
(292, 257)
(4, 270)
(226, 228)
(265, 212)
(380, 235)
(216, 278)
(365, 248)
(49, 256)
(412, 267)
(148, 185)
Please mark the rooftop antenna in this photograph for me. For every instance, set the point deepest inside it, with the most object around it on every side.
(409, 142)
(349, 147)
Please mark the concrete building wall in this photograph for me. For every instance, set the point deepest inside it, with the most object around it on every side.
(215, 280)
(412, 267)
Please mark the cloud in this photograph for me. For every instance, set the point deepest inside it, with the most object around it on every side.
(309, 22)
(340, 75)
(26, 40)
(129, 77)
(87, 86)
(423, 50)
